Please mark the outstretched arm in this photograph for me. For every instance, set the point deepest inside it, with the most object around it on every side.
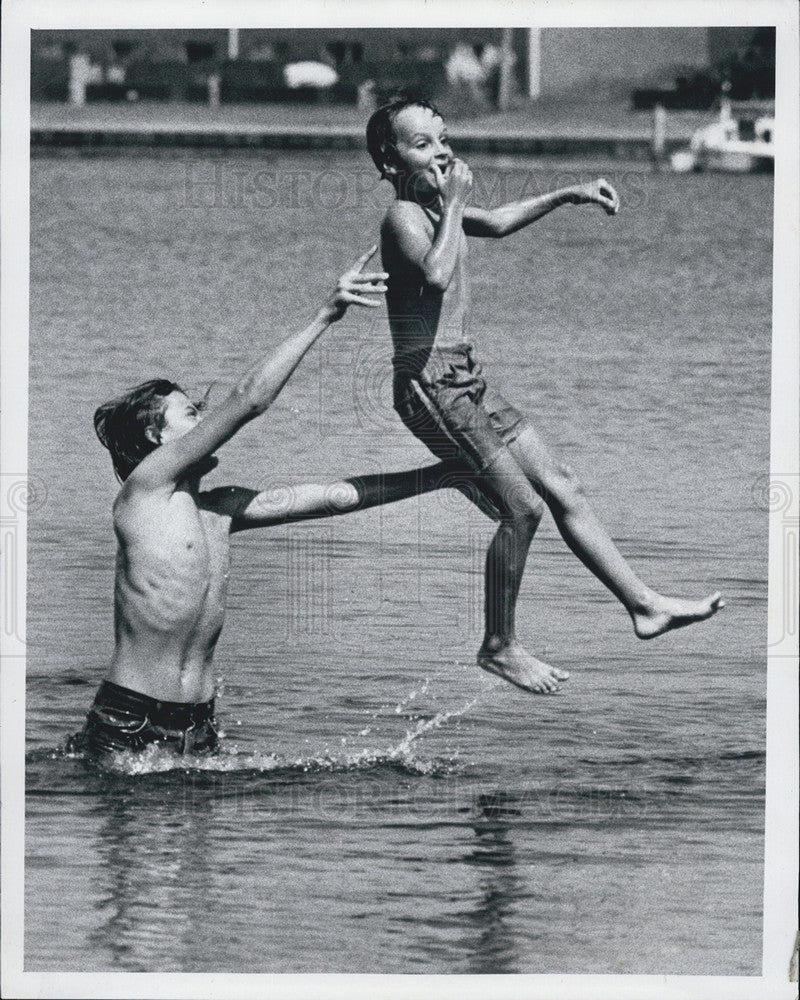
(257, 389)
(281, 505)
(516, 215)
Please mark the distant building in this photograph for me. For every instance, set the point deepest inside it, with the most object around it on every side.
(176, 63)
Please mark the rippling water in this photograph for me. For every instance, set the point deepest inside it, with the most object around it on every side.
(379, 803)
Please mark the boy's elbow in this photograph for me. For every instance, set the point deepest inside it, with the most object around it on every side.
(344, 497)
(249, 398)
(487, 223)
(498, 225)
(436, 279)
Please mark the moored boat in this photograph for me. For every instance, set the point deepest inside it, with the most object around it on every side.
(741, 140)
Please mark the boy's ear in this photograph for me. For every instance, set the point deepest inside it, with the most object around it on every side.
(390, 167)
(153, 434)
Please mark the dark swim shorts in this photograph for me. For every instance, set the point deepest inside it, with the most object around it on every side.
(121, 719)
(449, 407)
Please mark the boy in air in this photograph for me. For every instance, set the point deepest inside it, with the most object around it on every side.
(443, 399)
(174, 539)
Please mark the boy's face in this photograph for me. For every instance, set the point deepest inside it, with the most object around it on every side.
(420, 140)
(179, 416)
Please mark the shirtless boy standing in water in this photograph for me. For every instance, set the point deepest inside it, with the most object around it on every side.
(173, 554)
(442, 398)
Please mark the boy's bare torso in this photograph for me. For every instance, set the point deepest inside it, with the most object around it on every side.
(420, 317)
(170, 592)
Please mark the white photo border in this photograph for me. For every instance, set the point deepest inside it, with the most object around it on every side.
(19, 17)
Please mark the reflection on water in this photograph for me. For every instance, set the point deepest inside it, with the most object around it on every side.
(155, 872)
(472, 880)
(496, 948)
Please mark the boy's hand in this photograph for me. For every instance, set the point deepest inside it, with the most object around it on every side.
(353, 287)
(456, 185)
(598, 192)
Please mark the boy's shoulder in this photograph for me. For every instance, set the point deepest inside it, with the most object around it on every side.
(403, 214)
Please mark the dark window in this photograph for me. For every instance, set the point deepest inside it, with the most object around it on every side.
(747, 130)
(763, 39)
(338, 50)
(199, 51)
(122, 48)
(356, 52)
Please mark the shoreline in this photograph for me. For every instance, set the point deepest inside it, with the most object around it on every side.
(119, 126)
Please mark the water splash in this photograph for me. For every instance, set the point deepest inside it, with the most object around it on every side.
(398, 708)
(426, 725)
(402, 754)
(156, 759)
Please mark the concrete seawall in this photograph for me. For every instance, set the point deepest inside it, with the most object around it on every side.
(599, 129)
(107, 136)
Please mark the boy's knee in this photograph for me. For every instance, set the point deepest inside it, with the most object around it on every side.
(565, 487)
(527, 509)
(534, 512)
(536, 508)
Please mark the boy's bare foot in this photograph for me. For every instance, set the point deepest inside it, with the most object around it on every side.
(667, 613)
(515, 665)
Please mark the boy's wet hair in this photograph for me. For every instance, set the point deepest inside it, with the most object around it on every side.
(121, 423)
(380, 127)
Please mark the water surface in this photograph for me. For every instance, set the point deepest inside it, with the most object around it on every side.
(380, 804)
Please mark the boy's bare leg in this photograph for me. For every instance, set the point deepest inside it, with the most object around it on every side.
(508, 490)
(652, 613)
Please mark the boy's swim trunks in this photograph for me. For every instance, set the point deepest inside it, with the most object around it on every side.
(449, 408)
(121, 719)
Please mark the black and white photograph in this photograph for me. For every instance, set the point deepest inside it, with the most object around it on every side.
(399, 499)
